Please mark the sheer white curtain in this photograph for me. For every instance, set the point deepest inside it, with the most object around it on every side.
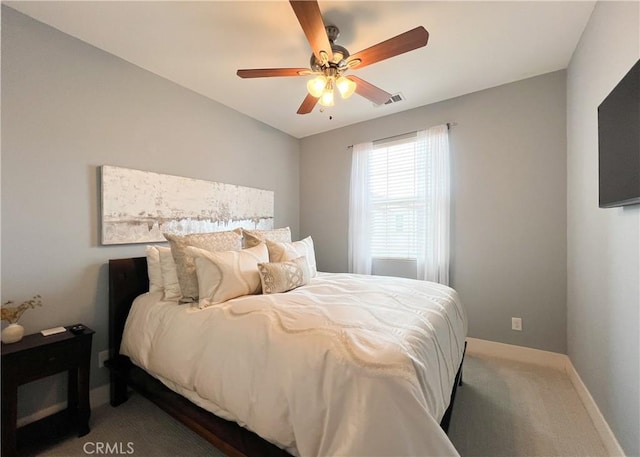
(433, 247)
(433, 201)
(359, 214)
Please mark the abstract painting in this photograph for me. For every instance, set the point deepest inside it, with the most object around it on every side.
(139, 206)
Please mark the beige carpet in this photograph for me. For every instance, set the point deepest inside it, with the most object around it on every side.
(503, 409)
(506, 408)
(137, 428)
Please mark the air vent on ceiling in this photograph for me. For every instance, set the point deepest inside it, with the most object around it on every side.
(395, 98)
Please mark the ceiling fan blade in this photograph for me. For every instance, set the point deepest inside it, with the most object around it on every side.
(269, 72)
(405, 42)
(310, 19)
(369, 91)
(308, 104)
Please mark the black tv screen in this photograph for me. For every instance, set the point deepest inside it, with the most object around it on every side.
(619, 142)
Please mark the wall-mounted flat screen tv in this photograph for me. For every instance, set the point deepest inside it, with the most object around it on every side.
(619, 142)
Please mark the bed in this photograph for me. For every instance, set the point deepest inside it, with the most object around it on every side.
(367, 399)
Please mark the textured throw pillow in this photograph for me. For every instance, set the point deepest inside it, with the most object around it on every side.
(153, 269)
(185, 265)
(255, 237)
(169, 274)
(281, 252)
(226, 275)
(277, 277)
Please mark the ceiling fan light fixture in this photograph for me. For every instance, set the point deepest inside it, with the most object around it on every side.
(316, 85)
(326, 99)
(346, 87)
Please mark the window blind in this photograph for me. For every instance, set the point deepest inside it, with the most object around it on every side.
(396, 184)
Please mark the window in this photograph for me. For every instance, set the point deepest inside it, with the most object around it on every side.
(399, 203)
(396, 187)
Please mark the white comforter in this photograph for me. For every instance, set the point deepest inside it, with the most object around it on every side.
(347, 365)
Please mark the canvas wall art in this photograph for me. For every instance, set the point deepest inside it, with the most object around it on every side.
(139, 206)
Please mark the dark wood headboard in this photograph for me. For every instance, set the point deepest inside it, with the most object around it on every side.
(127, 279)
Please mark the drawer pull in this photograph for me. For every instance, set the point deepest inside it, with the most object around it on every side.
(52, 358)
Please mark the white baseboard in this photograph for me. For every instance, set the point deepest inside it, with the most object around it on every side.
(608, 438)
(516, 353)
(97, 397)
(557, 361)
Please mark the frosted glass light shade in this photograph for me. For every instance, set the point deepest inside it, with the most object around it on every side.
(346, 87)
(327, 98)
(316, 85)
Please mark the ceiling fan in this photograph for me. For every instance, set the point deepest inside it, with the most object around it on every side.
(330, 61)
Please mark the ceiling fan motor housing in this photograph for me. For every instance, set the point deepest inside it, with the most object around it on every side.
(340, 53)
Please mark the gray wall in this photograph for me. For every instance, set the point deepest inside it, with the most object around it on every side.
(603, 244)
(68, 108)
(509, 211)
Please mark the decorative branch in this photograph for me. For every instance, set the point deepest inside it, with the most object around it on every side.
(12, 314)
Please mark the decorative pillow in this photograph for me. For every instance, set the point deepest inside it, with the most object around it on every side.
(169, 274)
(281, 252)
(255, 237)
(185, 265)
(226, 275)
(277, 277)
(153, 269)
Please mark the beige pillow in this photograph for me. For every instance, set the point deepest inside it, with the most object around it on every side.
(281, 252)
(277, 277)
(153, 269)
(226, 275)
(255, 237)
(185, 265)
(169, 274)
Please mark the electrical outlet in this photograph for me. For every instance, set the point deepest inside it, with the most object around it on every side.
(516, 323)
(102, 356)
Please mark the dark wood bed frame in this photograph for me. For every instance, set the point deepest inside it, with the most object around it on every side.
(128, 279)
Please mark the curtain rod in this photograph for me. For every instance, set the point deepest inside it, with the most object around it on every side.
(448, 124)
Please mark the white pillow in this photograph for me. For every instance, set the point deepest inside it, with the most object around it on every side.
(282, 252)
(170, 282)
(153, 269)
(227, 274)
(185, 266)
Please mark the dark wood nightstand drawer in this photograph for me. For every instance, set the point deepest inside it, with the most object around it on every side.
(48, 360)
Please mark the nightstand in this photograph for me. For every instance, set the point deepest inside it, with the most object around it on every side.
(37, 356)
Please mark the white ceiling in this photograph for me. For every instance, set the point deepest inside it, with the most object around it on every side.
(200, 45)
